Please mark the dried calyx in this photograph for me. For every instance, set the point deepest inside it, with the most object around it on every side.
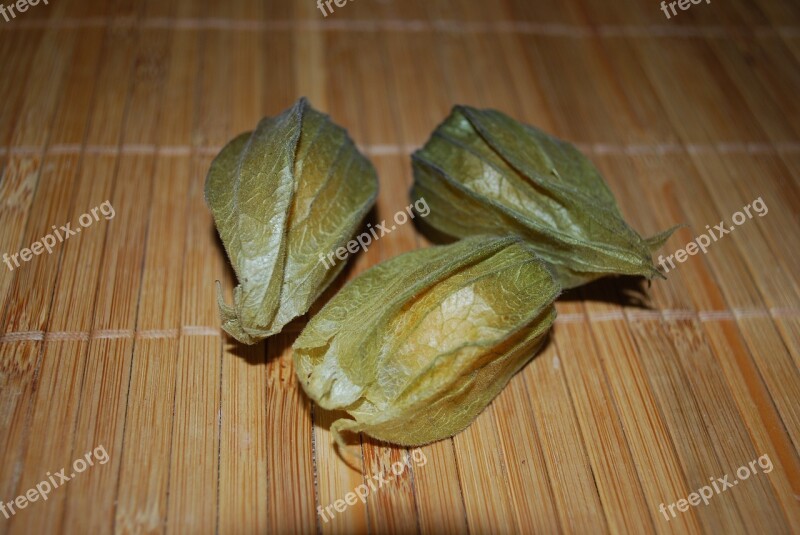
(414, 348)
(295, 186)
(482, 172)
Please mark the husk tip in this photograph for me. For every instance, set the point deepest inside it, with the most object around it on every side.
(345, 452)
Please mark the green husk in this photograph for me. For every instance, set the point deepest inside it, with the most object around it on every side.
(280, 195)
(415, 348)
(482, 172)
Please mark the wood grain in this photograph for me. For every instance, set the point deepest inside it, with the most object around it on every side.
(642, 395)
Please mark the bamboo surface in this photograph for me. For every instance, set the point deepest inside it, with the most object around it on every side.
(643, 394)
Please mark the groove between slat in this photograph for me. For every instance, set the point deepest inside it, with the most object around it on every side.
(447, 26)
(616, 315)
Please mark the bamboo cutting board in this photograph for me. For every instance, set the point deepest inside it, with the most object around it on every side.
(110, 347)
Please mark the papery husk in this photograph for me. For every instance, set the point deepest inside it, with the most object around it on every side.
(482, 172)
(416, 347)
(293, 189)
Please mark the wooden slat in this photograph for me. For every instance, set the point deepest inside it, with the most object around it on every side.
(151, 391)
(100, 421)
(612, 465)
(578, 505)
(29, 292)
(142, 502)
(290, 470)
(652, 448)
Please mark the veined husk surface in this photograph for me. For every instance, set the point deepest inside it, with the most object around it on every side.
(294, 188)
(416, 347)
(482, 172)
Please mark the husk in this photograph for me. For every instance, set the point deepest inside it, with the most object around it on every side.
(481, 172)
(281, 195)
(416, 347)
